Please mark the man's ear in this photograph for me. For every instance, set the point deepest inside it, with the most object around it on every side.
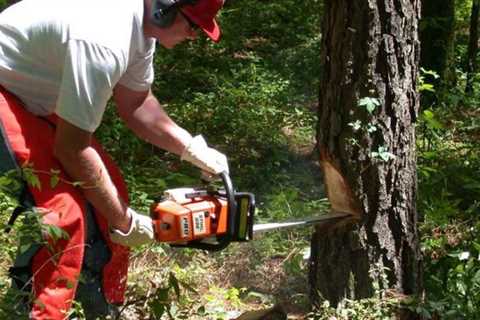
(163, 12)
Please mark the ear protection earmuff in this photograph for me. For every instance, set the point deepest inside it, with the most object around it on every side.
(164, 11)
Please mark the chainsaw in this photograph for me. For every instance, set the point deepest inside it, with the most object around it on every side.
(210, 218)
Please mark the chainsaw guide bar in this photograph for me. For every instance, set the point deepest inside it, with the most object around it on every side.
(211, 218)
(265, 227)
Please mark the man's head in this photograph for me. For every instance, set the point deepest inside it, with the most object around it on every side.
(170, 15)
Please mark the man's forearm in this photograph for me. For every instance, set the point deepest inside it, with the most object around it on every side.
(85, 166)
(159, 130)
(150, 122)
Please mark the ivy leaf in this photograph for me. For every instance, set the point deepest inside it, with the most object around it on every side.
(371, 128)
(432, 73)
(383, 154)
(55, 233)
(427, 87)
(31, 177)
(54, 181)
(55, 177)
(369, 103)
(355, 125)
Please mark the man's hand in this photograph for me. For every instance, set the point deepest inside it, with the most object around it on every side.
(140, 232)
(202, 156)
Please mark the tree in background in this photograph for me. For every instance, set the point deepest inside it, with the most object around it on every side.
(366, 141)
(472, 46)
(437, 35)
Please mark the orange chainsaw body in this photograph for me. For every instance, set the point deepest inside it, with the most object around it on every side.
(197, 218)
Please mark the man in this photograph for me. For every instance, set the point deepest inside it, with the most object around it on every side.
(60, 62)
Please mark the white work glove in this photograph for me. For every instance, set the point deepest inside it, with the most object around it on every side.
(141, 231)
(204, 157)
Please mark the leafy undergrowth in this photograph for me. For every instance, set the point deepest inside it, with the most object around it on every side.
(449, 193)
(216, 286)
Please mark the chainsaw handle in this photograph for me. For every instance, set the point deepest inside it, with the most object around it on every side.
(232, 204)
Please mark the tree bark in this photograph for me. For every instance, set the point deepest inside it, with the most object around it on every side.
(472, 46)
(370, 49)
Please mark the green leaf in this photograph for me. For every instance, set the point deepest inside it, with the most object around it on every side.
(24, 248)
(5, 181)
(172, 280)
(371, 128)
(383, 154)
(54, 181)
(31, 177)
(162, 295)
(55, 233)
(427, 87)
(430, 120)
(476, 245)
(201, 310)
(355, 125)
(369, 103)
(432, 73)
(476, 277)
(157, 308)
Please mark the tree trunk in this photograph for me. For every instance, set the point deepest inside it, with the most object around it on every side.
(366, 141)
(472, 46)
(437, 35)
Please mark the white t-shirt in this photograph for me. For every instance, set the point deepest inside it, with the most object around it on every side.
(66, 56)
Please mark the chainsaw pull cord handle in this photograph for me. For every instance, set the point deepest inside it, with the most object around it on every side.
(231, 204)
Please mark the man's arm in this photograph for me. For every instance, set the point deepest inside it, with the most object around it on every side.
(83, 163)
(146, 117)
